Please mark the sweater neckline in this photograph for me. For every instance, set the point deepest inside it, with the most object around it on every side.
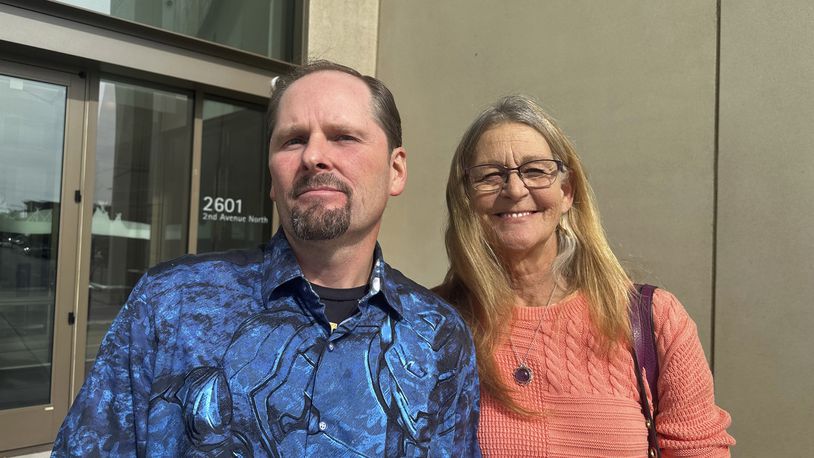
(568, 305)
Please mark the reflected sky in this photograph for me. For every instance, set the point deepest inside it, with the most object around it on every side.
(32, 124)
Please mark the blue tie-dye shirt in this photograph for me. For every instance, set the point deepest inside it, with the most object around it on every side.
(230, 354)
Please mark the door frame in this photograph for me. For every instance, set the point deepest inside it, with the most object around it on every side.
(32, 425)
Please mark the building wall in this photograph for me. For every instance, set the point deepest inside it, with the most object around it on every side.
(344, 31)
(763, 340)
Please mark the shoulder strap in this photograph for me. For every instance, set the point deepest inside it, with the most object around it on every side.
(645, 354)
(644, 338)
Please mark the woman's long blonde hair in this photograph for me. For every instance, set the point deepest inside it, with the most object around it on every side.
(478, 283)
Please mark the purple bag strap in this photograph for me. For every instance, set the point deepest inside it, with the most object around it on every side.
(645, 355)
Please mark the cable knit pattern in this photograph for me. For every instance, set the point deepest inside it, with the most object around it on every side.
(589, 400)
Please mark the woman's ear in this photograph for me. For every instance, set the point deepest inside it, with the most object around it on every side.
(567, 193)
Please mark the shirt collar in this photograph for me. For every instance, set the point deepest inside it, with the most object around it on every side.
(281, 266)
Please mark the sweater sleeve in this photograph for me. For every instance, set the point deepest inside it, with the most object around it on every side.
(689, 423)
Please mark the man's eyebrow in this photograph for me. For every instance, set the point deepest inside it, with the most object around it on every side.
(342, 126)
(287, 130)
(330, 128)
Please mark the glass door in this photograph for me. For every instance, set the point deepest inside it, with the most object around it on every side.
(143, 149)
(41, 117)
(234, 207)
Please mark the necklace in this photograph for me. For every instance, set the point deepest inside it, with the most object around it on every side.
(523, 373)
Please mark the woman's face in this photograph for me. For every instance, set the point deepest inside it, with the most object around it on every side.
(523, 220)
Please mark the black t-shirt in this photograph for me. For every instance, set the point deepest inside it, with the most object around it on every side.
(340, 303)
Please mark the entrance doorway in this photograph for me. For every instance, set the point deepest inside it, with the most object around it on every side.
(42, 115)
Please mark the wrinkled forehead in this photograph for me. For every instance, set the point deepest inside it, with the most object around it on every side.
(328, 93)
(509, 144)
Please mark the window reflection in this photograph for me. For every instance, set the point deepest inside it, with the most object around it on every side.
(235, 210)
(141, 197)
(264, 27)
(32, 127)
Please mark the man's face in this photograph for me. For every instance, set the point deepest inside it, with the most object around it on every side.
(331, 170)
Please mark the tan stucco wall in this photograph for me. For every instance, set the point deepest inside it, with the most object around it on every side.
(765, 281)
(344, 31)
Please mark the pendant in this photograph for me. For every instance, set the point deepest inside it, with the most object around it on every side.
(523, 375)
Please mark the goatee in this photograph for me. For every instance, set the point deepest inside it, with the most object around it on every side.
(315, 222)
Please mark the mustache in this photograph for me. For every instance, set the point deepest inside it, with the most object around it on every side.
(308, 182)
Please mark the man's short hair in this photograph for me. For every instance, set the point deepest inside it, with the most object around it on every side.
(383, 105)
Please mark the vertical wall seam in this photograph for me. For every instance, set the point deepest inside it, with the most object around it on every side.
(715, 154)
(378, 38)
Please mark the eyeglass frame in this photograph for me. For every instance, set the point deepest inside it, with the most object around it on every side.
(507, 171)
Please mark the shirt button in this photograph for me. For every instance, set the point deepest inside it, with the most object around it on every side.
(322, 426)
(330, 347)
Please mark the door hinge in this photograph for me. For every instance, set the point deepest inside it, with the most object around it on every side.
(77, 196)
(71, 318)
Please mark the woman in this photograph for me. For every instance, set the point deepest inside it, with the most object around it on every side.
(547, 302)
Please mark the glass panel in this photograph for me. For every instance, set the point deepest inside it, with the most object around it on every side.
(264, 27)
(141, 200)
(235, 207)
(32, 128)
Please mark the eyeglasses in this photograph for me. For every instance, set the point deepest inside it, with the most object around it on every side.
(536, 174)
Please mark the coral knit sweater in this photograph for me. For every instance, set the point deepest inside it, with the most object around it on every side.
(590, 402)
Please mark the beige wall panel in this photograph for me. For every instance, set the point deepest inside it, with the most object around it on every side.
(633, 84)
(764, 339)
(344, 31)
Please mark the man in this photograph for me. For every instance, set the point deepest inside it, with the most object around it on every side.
(310, 346)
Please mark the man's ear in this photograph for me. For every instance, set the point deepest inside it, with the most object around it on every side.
(398, 171)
